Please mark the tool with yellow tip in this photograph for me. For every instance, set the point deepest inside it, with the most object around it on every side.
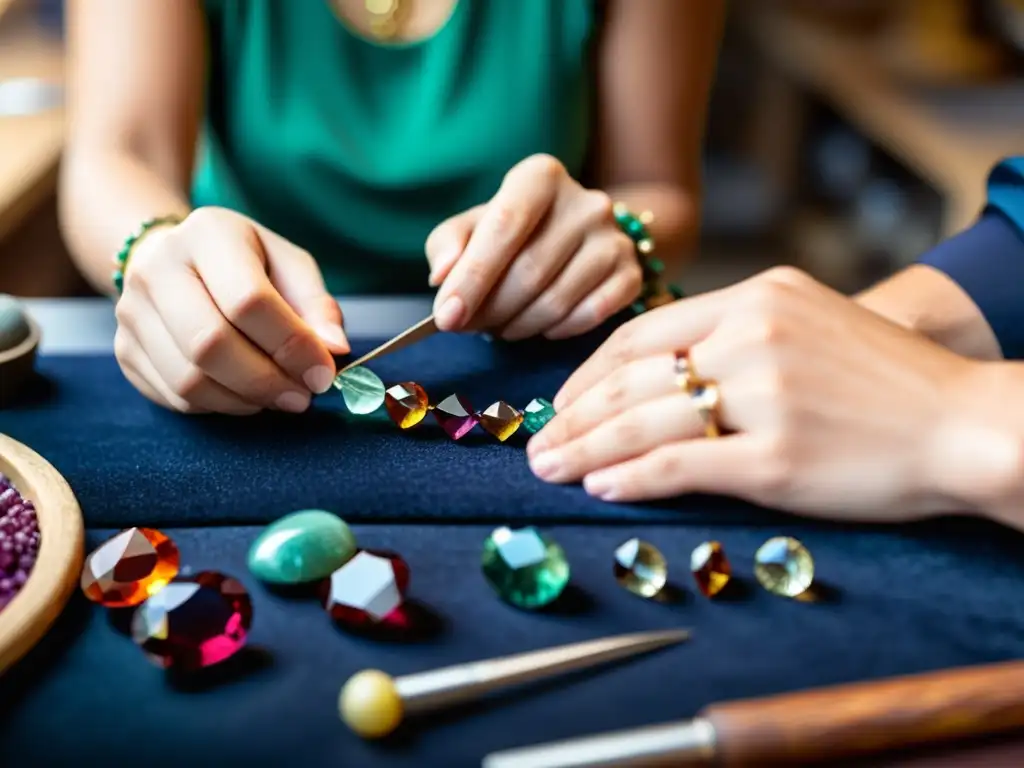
(373, 704)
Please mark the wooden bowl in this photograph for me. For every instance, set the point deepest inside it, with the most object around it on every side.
(61, 553)
(18, 364)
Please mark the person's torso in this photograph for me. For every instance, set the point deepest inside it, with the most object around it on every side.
(356, 150)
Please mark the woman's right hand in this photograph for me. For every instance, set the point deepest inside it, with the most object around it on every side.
(221, 315)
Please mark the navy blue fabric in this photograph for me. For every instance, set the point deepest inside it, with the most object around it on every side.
(131, 462)
(987, 262)
(900, 600)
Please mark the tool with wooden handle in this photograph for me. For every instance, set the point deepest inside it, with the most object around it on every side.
(807, 727)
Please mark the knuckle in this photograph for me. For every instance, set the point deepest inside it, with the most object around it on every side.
(529, 272)
(618, 388)
(203, 217)
(787, 275)
(249, 303)
(599, 205)
(546, 165)
(188, 383)
(206, 344)
(667, 464)
(627, 433)
(506, 221)
(766, 331)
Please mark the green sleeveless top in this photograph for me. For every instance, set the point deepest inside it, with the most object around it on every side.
(356, 150)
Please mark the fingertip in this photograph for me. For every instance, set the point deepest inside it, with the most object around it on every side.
(450, 314)
(334, 337)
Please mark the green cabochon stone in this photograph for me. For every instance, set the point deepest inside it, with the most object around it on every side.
(303, 546)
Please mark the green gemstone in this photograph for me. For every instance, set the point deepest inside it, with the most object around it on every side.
(636, 229)
(638, 308)
(657, 266)
(303, 546)
(362, 389)
(525, 567)
(538, 413)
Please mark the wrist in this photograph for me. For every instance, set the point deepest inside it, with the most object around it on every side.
(135, 242)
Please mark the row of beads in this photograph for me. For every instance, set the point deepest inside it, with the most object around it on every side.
(407, 404)
(654, 292)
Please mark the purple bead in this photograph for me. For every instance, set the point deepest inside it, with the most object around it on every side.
(20, 578)
(8, 499)
(26, 562)
(6, 586)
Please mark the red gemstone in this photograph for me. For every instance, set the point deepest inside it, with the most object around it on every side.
(194, 622)
(455, 415)
(368, 590)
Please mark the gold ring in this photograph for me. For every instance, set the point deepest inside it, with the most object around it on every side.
(686, 376)
(706, 399)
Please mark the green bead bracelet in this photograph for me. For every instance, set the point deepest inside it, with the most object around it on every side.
(655, 292)
(121, 259)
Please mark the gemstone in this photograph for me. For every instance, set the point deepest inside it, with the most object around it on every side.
(361, 389)
(784, 566)
(194, 622)
(710, 567)
(525, 567)
(640, 567)
(19, 541)
(455, 415)
(537, 413)
(368, 590)
(129, 568)
(303, 546)
(501, 420)
(406, 404)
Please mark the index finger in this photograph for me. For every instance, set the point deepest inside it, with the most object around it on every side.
(508, 220)
(672, 328)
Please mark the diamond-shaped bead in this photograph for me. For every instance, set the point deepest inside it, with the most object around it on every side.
(784, 566)
(501, 420)
(361, 388)
(130, 567)
(537, 413)
(640, 567)
(525, 567)
(406, 404)
(368, 590)
(194, 622)
(455, 415)
(710, 567)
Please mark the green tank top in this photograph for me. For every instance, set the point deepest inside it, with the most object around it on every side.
(356, 150)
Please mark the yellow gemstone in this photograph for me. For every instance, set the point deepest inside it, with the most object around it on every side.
(710, 567)
(640, 568)
(784, 566)
(501, 420)
(406, 404)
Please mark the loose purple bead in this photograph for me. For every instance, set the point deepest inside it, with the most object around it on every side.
(19, 541)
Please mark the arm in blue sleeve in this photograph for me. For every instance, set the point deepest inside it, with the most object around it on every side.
(987, 260)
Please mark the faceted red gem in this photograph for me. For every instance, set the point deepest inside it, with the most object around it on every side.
(368, 590)
(130, 567)
(194, 622)
(455, 415)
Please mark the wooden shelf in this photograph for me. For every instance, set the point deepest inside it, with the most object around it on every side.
(951, 137)
(32, 143)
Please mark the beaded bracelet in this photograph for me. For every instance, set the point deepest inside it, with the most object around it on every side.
(121, 259)
(655, 292)
(407, 404)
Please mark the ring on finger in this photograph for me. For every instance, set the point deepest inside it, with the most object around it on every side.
(686, 375)
(706, 399)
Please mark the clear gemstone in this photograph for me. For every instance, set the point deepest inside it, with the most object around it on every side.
(784, 566)
(525, 567)
(406, 404)
(640, 567)
(455, 415)
(710, 567)
(368, 590)
(194, 622)
(501, 420)
(129, 568)
(361, 388)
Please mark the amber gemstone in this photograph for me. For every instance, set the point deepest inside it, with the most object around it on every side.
(501, 420)
(406, 404)
(130, 567)
(368, 590)
(710, 567)
(455, 415)
(640, 567)
(194, 622)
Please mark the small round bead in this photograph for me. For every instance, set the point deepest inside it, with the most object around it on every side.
(369, 704)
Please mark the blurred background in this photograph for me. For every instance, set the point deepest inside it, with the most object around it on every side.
(846, 136)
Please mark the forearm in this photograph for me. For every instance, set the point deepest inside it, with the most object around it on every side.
(676, 225)
(104, 196)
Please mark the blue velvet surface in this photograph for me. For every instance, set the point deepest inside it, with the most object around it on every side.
(131, 461)
(900, 601)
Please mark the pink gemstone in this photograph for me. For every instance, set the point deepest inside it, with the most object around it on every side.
(194, 621)
(368, 590)
(455, 415)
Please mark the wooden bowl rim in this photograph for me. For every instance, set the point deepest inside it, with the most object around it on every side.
(25, 347)
(58, 568)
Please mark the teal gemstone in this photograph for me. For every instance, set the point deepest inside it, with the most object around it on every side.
(303, 546)
(525, 567)
(538, 413)
(638, 308)
(362, 390)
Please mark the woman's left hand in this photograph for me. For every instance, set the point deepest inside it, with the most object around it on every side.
(543, 257)
(825, 408)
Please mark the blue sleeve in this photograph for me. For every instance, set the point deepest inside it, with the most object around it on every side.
(987, 260)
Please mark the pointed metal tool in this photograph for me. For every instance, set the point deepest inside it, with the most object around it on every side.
(373, 704)
(424, 328)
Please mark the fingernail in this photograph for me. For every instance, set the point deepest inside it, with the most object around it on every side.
(293, 402)
(536, 446)
(442, 265)
(450, 314)
(600, 485)
(332, 334)
(318, 378)
(544, 465)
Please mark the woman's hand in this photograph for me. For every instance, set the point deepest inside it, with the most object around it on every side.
(827, 409)
(221, 315)
(543, 256)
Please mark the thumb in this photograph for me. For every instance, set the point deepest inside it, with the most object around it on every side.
(447, 242)
(296, 275)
